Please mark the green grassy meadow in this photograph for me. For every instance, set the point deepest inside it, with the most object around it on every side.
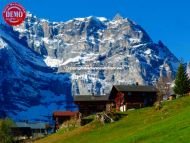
(171, 124)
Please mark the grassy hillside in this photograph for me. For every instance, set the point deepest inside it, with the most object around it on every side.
(169, 125)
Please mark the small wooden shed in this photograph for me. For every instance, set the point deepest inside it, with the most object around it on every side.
(62, 116)
(25, 130)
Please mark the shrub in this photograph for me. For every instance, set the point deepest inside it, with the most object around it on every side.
(5, 131)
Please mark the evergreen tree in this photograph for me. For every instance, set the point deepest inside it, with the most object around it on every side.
(182, 81)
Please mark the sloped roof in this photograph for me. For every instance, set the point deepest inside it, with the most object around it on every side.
(64, 113)
(135, 88)
(125, 88)
(30, 125)
(91, 98)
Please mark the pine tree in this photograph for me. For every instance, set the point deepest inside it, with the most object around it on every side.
(182, 81)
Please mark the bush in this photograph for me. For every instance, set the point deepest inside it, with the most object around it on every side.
(5, 131)
(158, 105)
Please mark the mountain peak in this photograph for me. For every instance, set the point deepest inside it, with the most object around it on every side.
(95, 52)
(118, 17)
(28, 14)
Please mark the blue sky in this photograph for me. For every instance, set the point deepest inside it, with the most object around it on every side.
(166, 20)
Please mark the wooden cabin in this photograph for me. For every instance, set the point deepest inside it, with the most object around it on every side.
(21, 133)
(62, 116)
(90, 104)
(132, 96)
(122, 97)
(25, 130)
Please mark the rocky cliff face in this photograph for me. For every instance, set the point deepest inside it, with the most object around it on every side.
(94, 51)
(99, 52)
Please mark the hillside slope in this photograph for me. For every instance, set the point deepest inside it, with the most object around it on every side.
(170, 124)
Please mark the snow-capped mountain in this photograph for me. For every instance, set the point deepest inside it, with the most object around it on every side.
(29, 89)
(98, 52)
(94, 51)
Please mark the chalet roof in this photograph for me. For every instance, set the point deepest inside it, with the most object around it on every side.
(30, 125)
(64, 113)
(91, 98)
(136, 88)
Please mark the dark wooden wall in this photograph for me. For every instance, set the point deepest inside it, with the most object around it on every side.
(90, 107)
(137, 99)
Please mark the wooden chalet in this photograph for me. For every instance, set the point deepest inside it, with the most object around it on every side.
(25, 130)
(122, 97)
(62, 116)
(21, 133)
(132, 96)
(90, 104)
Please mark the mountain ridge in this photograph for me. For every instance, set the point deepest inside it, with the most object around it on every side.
(82, 41)
(83, 56)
